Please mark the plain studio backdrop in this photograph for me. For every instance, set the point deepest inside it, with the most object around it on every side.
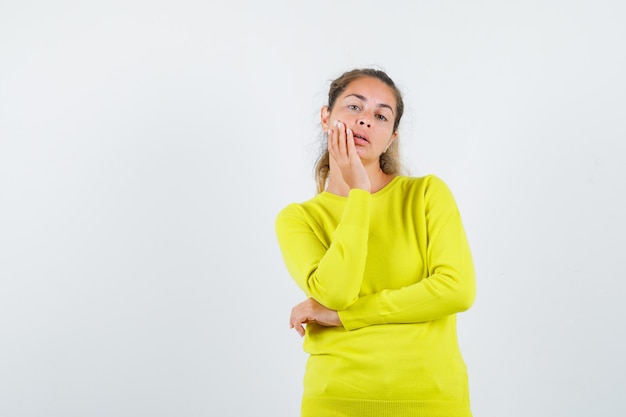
(147, 146)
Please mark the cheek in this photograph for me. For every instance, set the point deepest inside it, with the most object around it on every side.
(385, 130)
(339, 115)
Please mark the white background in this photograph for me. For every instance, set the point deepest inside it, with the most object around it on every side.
(147, 146)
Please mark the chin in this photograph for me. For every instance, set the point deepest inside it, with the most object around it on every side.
(364, 156)
(361, 152)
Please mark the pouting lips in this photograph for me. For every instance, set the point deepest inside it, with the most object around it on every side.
(356, 135)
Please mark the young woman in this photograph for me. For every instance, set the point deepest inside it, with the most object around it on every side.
(385, 264)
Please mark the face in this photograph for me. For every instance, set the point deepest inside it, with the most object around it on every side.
(367, 106)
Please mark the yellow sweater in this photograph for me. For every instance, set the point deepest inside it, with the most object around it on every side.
(396, 265)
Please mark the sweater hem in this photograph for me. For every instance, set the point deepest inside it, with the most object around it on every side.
(350, 407)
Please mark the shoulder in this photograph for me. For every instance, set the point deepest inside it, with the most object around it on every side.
(298, 211)
(428, 191)
(425, 184)
(291, 211)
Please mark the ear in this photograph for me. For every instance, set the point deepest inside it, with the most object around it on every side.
(325, 117)
(391, 139)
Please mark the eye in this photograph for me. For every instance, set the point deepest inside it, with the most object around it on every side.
(381, 117)
(354, 107)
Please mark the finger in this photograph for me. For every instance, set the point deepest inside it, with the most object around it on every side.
(295, 322)
(294, 318)
(343, 150)
(332, 142)
(335, 151)
(350, 143)
(300, 330)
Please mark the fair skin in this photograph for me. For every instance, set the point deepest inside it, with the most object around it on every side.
(360, 128)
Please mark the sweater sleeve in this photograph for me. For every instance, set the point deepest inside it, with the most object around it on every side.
(331, 274)
(450, 286)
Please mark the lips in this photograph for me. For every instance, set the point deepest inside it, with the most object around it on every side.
(359, 136)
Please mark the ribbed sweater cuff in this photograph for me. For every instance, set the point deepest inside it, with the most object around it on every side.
(364, 312)
(357, 209)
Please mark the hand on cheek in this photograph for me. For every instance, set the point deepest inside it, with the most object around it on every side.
(342, 150)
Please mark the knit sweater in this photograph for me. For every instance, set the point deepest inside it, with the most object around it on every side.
(397, 267)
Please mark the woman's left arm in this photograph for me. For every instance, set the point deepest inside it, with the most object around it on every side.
(450, 286)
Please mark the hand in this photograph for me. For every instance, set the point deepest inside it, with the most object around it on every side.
(310, 311)
(343, 152)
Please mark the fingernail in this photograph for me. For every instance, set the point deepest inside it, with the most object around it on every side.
(349, 131)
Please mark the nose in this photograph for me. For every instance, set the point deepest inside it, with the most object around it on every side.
(365, 123)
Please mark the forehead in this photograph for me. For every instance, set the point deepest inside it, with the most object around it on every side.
(372, 89)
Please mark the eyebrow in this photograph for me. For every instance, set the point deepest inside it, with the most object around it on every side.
(362, 98)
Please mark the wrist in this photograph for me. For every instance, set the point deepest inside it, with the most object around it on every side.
(365, 186)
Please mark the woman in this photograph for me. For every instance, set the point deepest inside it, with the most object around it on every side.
(385, 264)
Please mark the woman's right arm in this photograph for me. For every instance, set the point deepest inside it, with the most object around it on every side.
(450, 284)
(329, 272)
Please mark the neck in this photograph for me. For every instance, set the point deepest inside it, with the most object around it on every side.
(378, 179)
